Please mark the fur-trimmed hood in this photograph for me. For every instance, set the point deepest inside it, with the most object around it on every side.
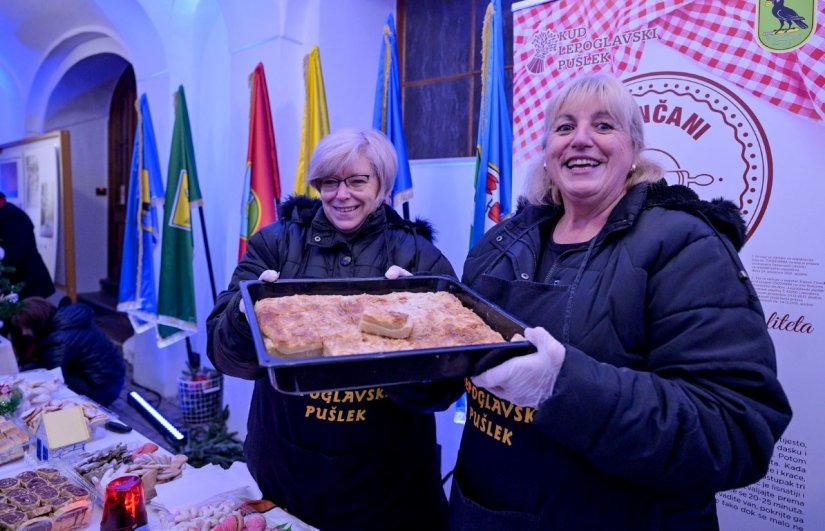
(721, 213)
(302, 209)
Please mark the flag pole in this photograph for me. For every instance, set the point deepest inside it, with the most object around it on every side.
(406, 210)
(194, 357)
(208, 256)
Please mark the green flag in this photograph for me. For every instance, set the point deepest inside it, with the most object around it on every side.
(176, 300)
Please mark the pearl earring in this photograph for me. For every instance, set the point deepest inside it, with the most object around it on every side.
(632, 168)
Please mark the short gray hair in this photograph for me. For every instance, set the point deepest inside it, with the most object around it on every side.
(619, 104)
(336, 153)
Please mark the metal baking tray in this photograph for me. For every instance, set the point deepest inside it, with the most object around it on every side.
(327, 373)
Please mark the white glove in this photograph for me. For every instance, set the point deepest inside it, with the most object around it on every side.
(395, 272)
(527, 380)
(270, 275)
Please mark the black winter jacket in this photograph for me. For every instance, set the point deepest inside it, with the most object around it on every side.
(668, 393)
(92, 365)
(18, 241)
(348, 459)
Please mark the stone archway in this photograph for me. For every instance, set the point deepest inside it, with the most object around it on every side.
(80, 103)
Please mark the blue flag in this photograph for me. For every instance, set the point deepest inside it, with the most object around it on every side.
(386, 116)
(137, 296)
(494, 150)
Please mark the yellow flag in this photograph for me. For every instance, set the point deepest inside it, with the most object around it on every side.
(315, 124)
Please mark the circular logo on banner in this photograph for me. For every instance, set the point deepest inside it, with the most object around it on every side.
(706, 138)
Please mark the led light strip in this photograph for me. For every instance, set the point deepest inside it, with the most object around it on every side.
(153, 415)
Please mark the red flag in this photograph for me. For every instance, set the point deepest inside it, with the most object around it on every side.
(262, 182)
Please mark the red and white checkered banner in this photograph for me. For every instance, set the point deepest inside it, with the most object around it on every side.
(555, 41)
(732, 94)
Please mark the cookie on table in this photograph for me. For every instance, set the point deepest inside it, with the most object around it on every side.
(17, 491)
(73, 516)
(6, 507)
(30, 484)
(6, 484)
(26, 475)
(27, 503)
(46, 493)
(47, 472)
(12, 519)
(59, 502)
(75, 492)
(58, 481)
(40, 523)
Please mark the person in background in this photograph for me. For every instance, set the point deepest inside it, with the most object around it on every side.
(654, 385)
(45, 337)
(20, 247)
(380, 470)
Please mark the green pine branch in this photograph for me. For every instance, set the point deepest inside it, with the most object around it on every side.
(213, 443)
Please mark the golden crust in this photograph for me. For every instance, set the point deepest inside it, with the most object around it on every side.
(309, 325)
(386, 318)
(384, 322)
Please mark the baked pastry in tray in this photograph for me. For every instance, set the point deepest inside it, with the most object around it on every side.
(317, 335)
(333, 325)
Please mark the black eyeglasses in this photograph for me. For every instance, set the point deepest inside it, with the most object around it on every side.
(355, 183)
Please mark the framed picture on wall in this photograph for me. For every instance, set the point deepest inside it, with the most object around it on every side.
(35, 174)
(10, 179)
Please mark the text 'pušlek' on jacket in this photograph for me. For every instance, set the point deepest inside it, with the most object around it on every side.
(668, 393)
(348, 459)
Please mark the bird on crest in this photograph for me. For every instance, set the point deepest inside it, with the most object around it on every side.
(785, 15)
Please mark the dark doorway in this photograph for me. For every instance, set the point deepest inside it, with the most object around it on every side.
(122, 121)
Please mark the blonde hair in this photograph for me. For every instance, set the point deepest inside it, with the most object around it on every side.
(336, 153)
(612, 95)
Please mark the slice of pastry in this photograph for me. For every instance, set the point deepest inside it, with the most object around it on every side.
(387, 323)
(294, 346)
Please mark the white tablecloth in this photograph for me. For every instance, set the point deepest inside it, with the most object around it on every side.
(193, 487)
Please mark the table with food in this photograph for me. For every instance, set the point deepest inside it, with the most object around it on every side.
(108, 480)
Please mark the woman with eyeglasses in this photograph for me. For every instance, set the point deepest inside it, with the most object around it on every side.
(344, 460)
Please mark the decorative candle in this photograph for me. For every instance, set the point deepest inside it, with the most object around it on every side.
(124, 507)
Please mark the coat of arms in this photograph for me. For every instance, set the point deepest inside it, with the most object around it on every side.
(784, 25)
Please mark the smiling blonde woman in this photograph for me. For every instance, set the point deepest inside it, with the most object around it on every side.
(654, 383)
(365, 462)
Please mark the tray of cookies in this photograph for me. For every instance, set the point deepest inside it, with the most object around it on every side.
(43, 498)
(340, 334)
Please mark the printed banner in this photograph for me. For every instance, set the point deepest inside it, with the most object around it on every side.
(734, 106)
